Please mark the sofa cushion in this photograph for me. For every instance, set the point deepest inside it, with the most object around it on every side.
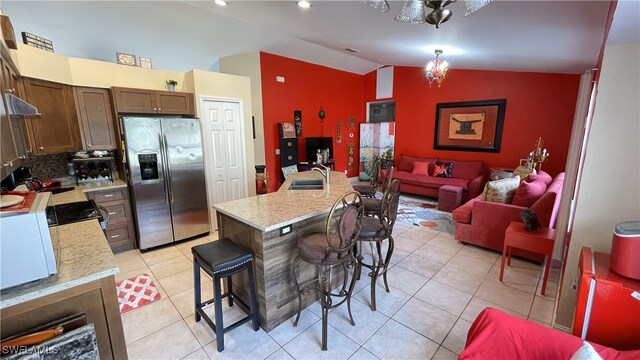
(442, 169)
(466, 169)
(543, 176)
(429, 181)
(420, 168)
(528, 193)
(523, 171)
(501, 190)
(406, 162)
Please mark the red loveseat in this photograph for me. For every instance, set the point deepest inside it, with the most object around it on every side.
(483, 223)
(497, 335)
(467, 175)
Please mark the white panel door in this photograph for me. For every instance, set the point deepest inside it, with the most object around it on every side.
(224, 142)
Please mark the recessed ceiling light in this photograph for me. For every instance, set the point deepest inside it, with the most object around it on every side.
(304, 4)
(352, 50)
(220, 2)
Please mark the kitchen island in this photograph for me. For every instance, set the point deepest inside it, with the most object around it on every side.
(269, 225)
(84, 284)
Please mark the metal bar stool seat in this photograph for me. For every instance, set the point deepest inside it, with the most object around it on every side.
(221, 259)
(373, 205)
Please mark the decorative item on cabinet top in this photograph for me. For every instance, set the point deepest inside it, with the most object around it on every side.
(126, 59)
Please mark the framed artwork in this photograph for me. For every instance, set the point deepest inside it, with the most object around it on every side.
(126, 59)
(470, 125)
(351, 122)
(351, 156)
(145, 62)
(338, 132)
(297, 121)
(37, 41)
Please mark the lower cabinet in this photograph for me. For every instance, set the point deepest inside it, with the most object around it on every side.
(120, 231)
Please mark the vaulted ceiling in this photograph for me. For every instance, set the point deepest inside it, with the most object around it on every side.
(540, 36)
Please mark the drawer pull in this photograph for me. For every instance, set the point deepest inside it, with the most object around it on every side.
(112, 213)
(115, 236)
(108, 195)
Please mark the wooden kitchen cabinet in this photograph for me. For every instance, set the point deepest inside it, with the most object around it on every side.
(96, 118)
(12, 143)
(120, 230)
(56, 129)
(143, 101)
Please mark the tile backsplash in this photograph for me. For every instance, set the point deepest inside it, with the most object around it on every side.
(48, 166)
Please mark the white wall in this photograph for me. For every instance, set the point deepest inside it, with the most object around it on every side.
(249, 65)
(610, 184)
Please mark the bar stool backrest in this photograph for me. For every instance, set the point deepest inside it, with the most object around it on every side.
(343, 224)
(389, 207)
(388, 180)
(375, 171)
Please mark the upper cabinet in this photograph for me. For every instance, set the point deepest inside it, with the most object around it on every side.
(142, 101)
(96, 118)
(56, 129)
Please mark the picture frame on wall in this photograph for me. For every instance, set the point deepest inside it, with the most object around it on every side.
(125, 59)
(470, 125)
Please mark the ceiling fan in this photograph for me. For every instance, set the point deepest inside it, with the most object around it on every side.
(415, 11)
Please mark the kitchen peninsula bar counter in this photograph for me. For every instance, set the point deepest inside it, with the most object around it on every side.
(269, 225)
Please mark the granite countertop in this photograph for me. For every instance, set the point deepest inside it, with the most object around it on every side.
(84, 254)
(77, 194)
(273, 210)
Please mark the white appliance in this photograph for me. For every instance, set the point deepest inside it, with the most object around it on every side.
(28, 246)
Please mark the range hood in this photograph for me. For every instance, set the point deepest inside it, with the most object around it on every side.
(19, 107)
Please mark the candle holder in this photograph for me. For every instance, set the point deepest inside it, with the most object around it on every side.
(539, 155)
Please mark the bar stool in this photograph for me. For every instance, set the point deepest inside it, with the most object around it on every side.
(221, 259)
(372, 206)
(374, 231)
(369, 190)
(327, 249)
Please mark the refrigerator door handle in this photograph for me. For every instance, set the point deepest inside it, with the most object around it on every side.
(167, 165)
(164, 167)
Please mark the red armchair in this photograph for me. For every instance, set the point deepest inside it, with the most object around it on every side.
(483, 223)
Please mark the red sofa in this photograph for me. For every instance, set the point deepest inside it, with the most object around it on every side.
(497, 335)
(483, 223)
(468, 175)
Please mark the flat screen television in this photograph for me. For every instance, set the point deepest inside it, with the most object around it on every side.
(315, 143)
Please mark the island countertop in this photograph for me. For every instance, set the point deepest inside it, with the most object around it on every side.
(273, 210)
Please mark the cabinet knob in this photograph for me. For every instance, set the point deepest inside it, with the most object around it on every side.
(41, 148)
(11, 90)
(159, 109)
(88, 145)
(155, 109)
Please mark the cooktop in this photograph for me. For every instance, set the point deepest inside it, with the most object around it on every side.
(77, 211)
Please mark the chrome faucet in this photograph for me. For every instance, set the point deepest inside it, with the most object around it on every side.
(326, 173)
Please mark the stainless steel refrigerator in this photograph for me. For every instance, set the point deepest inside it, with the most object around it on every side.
(166, 177)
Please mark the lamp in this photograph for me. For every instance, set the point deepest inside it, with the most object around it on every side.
(436, 70)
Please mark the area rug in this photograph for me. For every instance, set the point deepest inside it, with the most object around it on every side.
(135, 292)
(423, 212)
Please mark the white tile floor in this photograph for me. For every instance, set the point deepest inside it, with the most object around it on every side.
(438, 287)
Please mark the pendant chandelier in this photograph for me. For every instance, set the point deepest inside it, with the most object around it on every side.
(436, 70)
(432, 12)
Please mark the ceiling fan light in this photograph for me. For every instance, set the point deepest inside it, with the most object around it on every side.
(437, 17)
(443, 66)
(412, 12)
(380, 5)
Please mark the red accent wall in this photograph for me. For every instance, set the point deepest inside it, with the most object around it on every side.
(307, 87)
(538, 105)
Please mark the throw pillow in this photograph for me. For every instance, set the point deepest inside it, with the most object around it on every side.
(523, 171)
(586, 352)
(442, 170)
(528, 193)
(420, 168)
(546, 178)
(501, 190)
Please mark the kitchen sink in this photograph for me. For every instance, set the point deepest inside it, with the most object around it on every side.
(306, 184)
